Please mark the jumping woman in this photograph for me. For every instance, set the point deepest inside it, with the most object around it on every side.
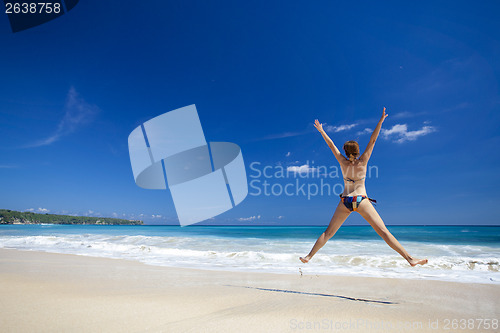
(353, 198)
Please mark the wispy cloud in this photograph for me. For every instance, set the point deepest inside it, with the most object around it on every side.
(300, 169)
(92, 213)
(459, 106)
(281, 135)
(340, 128)
(365, 131)
(77, 113)
(288, 154)
(7, 166)
(251, 218)
(408, 114)
(328, 128)
(399, 133)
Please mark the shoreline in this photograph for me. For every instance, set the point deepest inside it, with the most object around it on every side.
(45, 292)
(301, 271)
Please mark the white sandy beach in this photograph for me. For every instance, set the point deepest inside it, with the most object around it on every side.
(45, 292)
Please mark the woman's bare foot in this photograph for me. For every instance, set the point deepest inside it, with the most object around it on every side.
(305, 260)
(413, 262)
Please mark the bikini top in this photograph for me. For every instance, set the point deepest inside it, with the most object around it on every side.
(353, 180)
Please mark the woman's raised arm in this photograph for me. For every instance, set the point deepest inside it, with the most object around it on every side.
(368, 151)
(336, 152)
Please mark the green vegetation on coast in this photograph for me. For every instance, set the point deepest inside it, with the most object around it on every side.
(8, 216)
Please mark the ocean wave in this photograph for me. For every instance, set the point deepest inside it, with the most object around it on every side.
(472, 263)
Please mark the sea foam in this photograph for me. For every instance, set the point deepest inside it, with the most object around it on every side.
(470, 263)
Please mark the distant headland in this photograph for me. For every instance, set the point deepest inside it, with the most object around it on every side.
(8, 216)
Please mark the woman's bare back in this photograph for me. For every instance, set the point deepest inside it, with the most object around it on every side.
(354, 174)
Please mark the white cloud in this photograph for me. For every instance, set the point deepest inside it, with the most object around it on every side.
(399, 133)
(280, 217)
(91, 213)
(39, 210)
(288, 154)
(365, 131)
(114, 214)
(300, 169)
(340, 128)
(77, 113)
(251, 218)
(156, 216)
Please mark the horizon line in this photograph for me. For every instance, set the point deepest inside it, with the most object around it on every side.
(325, 225)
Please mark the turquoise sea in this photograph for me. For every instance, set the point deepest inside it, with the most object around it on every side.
(469, 254)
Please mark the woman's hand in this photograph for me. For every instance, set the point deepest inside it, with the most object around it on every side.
(383, 115)
(318, 125)
(329, 142)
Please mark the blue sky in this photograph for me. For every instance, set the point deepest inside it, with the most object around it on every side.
(259, 72)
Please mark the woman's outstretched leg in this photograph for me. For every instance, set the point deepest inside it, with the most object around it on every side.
(370, 214)
(340, 215)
